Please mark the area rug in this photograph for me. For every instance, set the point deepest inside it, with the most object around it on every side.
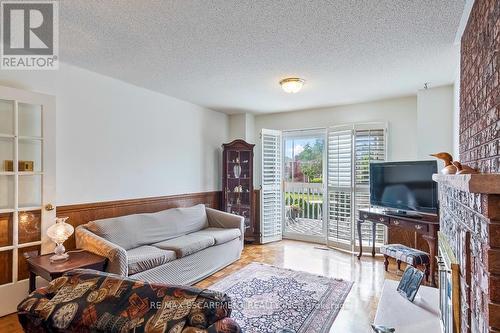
(271, 299)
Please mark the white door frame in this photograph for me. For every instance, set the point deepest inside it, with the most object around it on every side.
(17, 290)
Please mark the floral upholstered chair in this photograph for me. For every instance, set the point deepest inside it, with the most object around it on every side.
(90, 301)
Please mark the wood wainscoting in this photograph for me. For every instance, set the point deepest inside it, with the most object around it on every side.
(83, 213)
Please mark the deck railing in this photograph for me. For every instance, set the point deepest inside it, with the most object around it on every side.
(303, 200)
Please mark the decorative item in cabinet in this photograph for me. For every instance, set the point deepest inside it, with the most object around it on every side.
(237, 184)
(21, 165)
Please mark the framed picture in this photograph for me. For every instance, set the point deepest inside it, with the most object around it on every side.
(410, 282)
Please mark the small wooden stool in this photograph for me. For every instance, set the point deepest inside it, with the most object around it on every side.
(406, 254)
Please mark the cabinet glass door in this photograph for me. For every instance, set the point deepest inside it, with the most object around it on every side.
(238, 183)
(22, 181)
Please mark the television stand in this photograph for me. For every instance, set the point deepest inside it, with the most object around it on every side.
(426, 225)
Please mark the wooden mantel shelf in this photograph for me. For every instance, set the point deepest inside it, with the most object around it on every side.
(477, 183)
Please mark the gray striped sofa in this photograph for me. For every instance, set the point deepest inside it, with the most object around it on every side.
(174, 246)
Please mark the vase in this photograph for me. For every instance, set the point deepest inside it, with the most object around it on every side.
(237, 170)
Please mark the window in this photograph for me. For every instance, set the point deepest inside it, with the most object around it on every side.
(351, 149)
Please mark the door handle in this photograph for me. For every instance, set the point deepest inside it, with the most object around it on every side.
(49, 207)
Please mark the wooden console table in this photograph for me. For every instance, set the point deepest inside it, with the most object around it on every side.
(427, 225)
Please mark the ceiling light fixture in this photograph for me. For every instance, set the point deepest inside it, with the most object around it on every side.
(292, 85)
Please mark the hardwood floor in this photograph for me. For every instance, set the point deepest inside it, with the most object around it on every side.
(367, 274)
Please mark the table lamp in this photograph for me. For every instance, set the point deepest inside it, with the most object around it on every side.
(59, 233)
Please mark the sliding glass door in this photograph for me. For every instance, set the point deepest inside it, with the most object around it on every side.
(315, 181)
(304, 185)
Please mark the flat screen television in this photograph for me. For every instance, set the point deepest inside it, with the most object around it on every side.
(404, 187)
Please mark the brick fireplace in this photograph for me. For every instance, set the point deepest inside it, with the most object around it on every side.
(470, 222)
(470, 204)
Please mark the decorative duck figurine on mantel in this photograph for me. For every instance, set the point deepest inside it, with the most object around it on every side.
(449, 168)
(463, 169)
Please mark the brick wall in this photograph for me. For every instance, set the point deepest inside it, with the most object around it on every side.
(480, 88)
(471, 221)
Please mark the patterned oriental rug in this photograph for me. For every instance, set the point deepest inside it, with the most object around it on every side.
(272, 299)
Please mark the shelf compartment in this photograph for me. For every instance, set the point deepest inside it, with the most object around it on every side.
(22, 264)
(6, 153)
(30, 120)
(6, 266)
(31, 152)
(7, 192)
(6, 223)
(6, 117)
(29, 226)
(30, 191)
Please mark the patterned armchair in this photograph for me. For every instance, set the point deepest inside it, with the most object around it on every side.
(90, 301)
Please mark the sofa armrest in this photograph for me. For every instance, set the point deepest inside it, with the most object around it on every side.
(219, 219)
(117, 256)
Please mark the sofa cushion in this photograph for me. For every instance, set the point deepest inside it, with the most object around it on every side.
(187, 244)
(132, 231)
(146, 257)
(221, 235)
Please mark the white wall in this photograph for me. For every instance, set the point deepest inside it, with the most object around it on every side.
(400, 113)
(435, 121)
(237, 127)
(242, 126)
(118, 141)
(250, 127)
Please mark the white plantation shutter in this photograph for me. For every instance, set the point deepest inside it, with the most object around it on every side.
(370, 146)
(339, 159)
(271, 193)
(340, 188)
(351, 149)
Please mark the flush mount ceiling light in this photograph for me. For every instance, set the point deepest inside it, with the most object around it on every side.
(292, 85)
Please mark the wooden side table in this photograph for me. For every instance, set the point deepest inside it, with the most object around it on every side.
(43, 267)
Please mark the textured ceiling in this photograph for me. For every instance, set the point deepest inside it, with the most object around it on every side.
(229, 55)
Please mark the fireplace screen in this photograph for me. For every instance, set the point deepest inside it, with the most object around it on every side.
(449, 287)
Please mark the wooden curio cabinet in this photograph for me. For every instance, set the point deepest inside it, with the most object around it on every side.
(237, 184)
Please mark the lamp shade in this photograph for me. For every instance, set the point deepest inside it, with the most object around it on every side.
(60, 231)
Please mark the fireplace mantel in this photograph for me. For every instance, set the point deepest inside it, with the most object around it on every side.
(487, 183)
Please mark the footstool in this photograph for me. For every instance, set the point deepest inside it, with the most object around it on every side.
(406, 254)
